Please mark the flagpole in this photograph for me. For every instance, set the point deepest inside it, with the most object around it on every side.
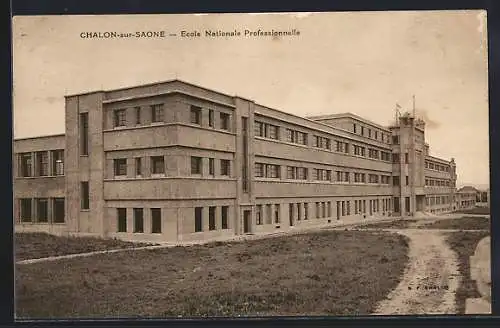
(396, 115)
(413, 106)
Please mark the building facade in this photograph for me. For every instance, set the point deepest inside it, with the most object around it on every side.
(173, 161)
(467, 197)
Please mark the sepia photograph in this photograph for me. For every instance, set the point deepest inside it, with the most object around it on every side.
(251, 165)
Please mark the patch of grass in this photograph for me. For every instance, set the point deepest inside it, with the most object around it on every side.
(399, 224)
(324, 273)
(464, 243)
(464, 223)
(38, 245)
(476, 210)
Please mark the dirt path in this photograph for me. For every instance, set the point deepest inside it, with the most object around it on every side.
(430, 280)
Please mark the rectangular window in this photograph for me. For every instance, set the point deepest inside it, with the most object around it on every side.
(407, 180)
(84, 133)
(406, 158)
(58, 210)
(362, 130)
(25, 210)
(396, 204)
(157, 113)
(277, 213)
(290, 135)
(224, 214)
(138, 115)
(259, 129)
(273, 132)
(85, 195)
(58, 162)
(376, 135)
(198, 219)
(42, 210)
(157, 165)
(26, 165)
(211, 118)
(211, 218)
(273, 171)
(395, 180)
(156, 220)
(369, 133)
(395, 140)
(122, 219)
(318, 209)
(120, 166)
(317, 141)
(373, 178)
(211, 166)
(259, 170)
(302, 138)
(196, 115)
(373, 153)
(43, 163)
(138, 220)
(196, 165)
(120, 117)
(224, 121)
(138, 166)
(306, 211)
(302, 173)
(354, 128)
(290, 172)
(225, 167)
(258, 215)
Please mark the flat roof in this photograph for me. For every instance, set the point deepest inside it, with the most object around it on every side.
(155, 83)
(44, 136)
(347, 115)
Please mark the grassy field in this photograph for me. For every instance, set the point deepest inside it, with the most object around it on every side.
(38, 245)
(464, 244)
(476, 210)
(464, 223)
(325, 273)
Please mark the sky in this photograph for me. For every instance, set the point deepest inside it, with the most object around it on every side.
(362, 62)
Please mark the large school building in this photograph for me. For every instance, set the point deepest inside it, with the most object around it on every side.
(173, 161)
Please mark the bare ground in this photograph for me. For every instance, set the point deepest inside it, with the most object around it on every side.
(430, 281)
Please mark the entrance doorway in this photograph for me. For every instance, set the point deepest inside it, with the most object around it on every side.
(420, 202)
(246, 221)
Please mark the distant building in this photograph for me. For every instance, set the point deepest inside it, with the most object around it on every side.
(173, 161)
(467, 197)
(482, 197)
